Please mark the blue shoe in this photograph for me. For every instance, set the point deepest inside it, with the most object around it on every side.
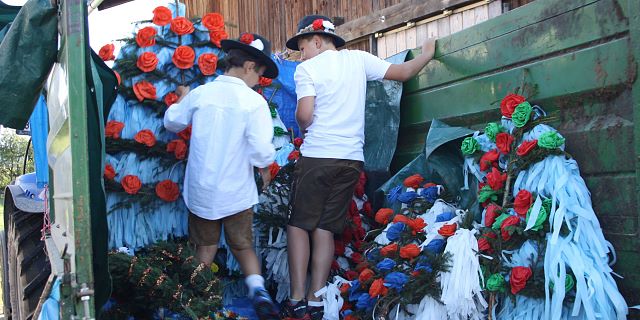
(264, 306)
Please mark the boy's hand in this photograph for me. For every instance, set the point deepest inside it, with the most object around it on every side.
(182, 91)
(266, 177)
(429, 48)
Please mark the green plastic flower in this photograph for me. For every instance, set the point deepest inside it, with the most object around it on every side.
(496, 283)
(492, 129)
(540, 219)
(522, 114)
(550, 140)
(469, 146)
(498, 222)
(486, 193)
(569, 282)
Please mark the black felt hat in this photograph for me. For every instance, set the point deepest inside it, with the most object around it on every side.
(315, 24)
(258, 47)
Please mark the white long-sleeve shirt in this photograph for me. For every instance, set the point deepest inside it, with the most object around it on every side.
(231, 133)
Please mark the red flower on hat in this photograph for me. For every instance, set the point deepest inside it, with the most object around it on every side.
(377, 288)
(413, 181)
(522, 202)
(147, 62)
(365, 275)
(167, 190)
(526, 147)
(183, 57)
(213, 21)
(161, 16)
(170, 98)
(145, 137)
(519, 277)
(218, 35)
(144, 90)
(409, 251)
(491, 214)
(106, 52)
(448, 230)
(489, 159)
(509, 104)
(317, 24)
(131, 184)
(146, 37)
(508, 222)
(181, 26)
(207, 63)
(186, 133)
(113, 129)
(389, 250)
(383, 215)
(503, 142)
(246, 38)
(264, 82)
(109, 172)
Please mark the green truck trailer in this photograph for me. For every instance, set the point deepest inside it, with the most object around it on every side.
(576, 58)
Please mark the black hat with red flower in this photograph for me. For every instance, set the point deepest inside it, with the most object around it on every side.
(315, 24)
(258, 47)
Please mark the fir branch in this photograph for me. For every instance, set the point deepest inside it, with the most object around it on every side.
(159, 150)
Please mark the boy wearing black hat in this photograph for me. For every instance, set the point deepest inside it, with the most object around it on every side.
(231, 134)
(331, 87)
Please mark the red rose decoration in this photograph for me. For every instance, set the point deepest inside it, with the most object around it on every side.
(377, 289)
(504, 141)
(409, 251)
(147, 61)
(146, 37)
(483, 243)
(213, 21)
(117, 77)
(518, 278)
(510, 221)
(401, 218)
(366, 207)
(265, 82)
(526, 147)
(413, 181)
(356, 257)
(383, 215)
(273, 169)
(218, 35)
(144, 90)
(145, 137)
(448, 230)
(167, 190)
(417, 225)
(208, 62)
(294, 155)
(389, 250)
(489, 159)
(109, 172)
(496, 179)
(493, 211)
(183, 57)
(181, 150)
(185, 134)
(161, 16)
(359, 191)
(113, 129)
(170, 98)
(181, 26)
(365, 275)
(338, 247)
(429, 184)
(317, 24)
(246, 38)
(131, 184)
(344, 288)
(351, 275)
(522, 202)
(106, 52)
(509, 104)
(297, 142)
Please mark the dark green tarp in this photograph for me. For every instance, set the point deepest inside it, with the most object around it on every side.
(7, 14)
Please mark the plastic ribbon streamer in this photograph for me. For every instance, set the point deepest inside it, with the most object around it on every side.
(331, 298)
(276, 264)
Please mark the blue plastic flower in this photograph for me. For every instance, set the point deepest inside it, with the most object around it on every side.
(365, 302)
(407, 197)
(425, 266)
(373, 255)
(445, 216)
(430, 194)
(393, 233)
(436, 246)
(353, 291)
(396, 280)
(386, 264)
(392, 197)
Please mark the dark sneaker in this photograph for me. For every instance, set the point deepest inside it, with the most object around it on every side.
(264, 306)
(315, 313)
(294, 312)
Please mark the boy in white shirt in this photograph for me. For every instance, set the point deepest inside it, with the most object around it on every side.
(331, 88)
(231, 134)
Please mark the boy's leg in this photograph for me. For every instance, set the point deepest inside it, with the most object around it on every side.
(205, 234)
(298, 254)
(323, 250)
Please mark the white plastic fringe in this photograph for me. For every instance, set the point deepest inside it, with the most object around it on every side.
(461, 288)
(331, 298)
(276, 263)
(430, 309)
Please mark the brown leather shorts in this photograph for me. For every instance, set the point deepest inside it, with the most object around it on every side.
(322, 192)
(238, 230)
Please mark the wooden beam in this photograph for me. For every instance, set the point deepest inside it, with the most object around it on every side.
(395, 15)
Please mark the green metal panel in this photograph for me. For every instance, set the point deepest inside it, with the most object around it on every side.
(579, 58)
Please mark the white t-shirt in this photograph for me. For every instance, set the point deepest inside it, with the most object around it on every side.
(231, 133)
(338, 80)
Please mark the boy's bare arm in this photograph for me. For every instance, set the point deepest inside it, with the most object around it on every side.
(304, 112)
(407, 70)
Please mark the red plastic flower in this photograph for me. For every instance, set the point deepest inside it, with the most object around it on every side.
(503, 142)
(383, 215)
(489, 159)
(483, 243)
(344, 288)
(113, 129)
(178, 147)
(339, 247)
(146, 37)
(401, 218)
(496, 179)
(106, 52)
(509, 104)
(413, 181)
(377, 288)
(207, 63)
(181, 26)
(366, 208)
(356, 257)
(365, 275)
(417, 225)
(522, 202)
(448, 230)
(109, 172)
(526, 147)
(246, 38)
(218, 35)
(185, 134)
(389, 250)
(147, 62)
(351, 275)
(508, 222)
(294, 155)
(161, 16)
(144, 90)
(183, 57)
(170, 98)
(317, 24)
(265, 82)
(145, 137)
(493, 211)
(297, 142)
(213, 21)
(409, 251)
(167, 190)
(273, 169)
(519, 277)
(131, 184)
